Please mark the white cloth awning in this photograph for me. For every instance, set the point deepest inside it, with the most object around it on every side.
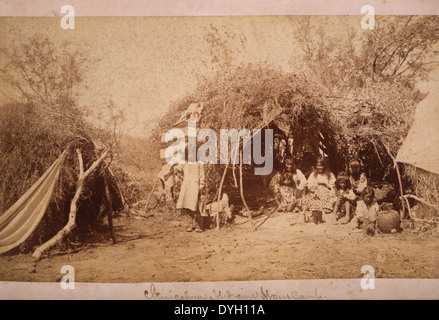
(420, 147)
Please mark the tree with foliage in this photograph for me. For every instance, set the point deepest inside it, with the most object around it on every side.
(42, 115)
(370, 78)
(41, 119)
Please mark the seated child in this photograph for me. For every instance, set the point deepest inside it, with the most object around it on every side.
(357, 178)
(287, 190)
(367, 211)
(344, 201)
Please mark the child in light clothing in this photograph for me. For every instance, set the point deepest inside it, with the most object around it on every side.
(344, 199)
(357, 178)
(367, 211)
(287, 189)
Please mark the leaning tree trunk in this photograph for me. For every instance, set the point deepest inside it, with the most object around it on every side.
(71, 224)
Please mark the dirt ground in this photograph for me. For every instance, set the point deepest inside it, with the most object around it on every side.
(157, 248)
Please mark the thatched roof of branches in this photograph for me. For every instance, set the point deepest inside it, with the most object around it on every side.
(257, 96)
(354, 95)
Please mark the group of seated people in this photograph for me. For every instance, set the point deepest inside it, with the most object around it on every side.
(346, 195)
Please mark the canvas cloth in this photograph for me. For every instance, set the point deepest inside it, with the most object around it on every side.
(420, 147)
(22, 218)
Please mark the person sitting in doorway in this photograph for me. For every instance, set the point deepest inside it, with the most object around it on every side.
(288, 185)
(320, 186)
(344, 202)
(357, 178)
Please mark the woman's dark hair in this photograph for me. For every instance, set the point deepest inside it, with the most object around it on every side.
(293, 163)
(322, 161)
(355, 163)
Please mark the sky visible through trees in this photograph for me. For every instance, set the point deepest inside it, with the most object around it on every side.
(144, 64)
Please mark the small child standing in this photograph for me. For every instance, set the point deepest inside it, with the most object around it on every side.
(367, 211)
(344, 201)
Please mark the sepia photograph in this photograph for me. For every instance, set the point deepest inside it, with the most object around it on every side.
(219, 151)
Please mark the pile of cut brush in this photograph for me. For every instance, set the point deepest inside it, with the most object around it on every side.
(29, 145)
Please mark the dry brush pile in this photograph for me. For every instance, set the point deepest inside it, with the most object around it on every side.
(42, 120)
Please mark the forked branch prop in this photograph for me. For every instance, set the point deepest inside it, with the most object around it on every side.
(71, 224)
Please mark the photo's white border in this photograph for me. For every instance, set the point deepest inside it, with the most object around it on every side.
(50, 8)
(276, 289)
(233, 290)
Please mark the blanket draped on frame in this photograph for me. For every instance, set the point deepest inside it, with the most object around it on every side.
(23, 217)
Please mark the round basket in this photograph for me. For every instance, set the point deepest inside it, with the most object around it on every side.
(388, 220)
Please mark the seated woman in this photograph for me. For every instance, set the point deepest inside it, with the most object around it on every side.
(320, 184)
(288, 185)
(357, 178)
(344, 199)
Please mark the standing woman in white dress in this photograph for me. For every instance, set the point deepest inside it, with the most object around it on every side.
(188, 201)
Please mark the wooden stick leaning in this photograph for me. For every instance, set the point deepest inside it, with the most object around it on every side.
(242, 191)
(395, 163)
(71, 224)
(420, 200)
(241, 143)
(110, 208)
(408, 208)
(124, 202)
(235, 181)
(150, 194)
(404, 197)
(219, 195)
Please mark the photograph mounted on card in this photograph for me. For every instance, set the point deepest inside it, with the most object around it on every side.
(283, 155)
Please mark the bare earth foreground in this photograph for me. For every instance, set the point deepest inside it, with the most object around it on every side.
(157, 248)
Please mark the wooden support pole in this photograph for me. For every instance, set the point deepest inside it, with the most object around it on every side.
(124, 202)
(110, 208)
(395, 163)
(150, 194)
(401, 190)
(235, 181)
(241, 187)
(220, 190)
(241, 143)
